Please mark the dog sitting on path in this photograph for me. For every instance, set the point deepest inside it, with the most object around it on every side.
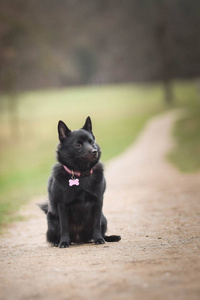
(76, 188)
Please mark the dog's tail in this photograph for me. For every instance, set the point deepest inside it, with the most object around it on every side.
(112, 238)
(44, 207)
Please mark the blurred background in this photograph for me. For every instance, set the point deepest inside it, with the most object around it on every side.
(120, 62)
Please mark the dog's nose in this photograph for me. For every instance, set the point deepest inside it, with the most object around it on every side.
(94, 151)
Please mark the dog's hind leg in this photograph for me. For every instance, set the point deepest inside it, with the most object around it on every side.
(103, 225)
(111, 238)
(53, 232)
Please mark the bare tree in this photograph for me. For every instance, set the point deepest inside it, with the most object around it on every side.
(12, 30)
(164, 48)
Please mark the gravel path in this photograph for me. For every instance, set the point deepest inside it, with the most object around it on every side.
(152, 206)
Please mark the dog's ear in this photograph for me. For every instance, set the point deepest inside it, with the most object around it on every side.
(88, 125)
(63, 130)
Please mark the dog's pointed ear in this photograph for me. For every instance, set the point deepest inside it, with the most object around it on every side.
(63, 130)
(88, 125)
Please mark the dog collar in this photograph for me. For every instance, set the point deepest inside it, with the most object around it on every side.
(78, 173)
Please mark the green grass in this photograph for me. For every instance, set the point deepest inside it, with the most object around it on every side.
(185, 155)
(118, 114)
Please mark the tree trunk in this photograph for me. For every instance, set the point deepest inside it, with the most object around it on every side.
(168, 91)
(163, 46)
(13, 111)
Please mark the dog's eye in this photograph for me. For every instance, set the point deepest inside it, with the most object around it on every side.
(78, 145)
(92, 143)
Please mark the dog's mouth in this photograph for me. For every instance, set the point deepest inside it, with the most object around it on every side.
(89, 158)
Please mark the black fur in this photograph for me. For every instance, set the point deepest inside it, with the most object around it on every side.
(74, 213)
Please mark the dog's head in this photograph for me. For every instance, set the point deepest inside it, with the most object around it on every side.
(77, 149)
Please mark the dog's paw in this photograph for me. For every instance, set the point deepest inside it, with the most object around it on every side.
(63, 244)
(100, 241)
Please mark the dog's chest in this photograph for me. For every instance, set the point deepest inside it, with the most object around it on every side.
(81, 206)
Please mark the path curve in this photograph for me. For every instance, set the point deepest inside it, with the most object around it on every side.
(152, 206)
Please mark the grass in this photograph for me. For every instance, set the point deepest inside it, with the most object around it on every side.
(118, 113)
(185, 155)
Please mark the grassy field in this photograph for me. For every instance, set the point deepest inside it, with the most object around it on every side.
(185, 155)
(118, 113)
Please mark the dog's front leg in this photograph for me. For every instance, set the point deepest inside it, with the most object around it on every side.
(97, 233)
(64, 227)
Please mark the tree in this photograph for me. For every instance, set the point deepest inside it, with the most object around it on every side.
(164, 48)
(13, 30)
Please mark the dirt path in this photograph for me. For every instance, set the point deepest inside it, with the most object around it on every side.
(154, 208)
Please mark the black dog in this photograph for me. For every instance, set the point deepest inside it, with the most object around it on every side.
(76, 188)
